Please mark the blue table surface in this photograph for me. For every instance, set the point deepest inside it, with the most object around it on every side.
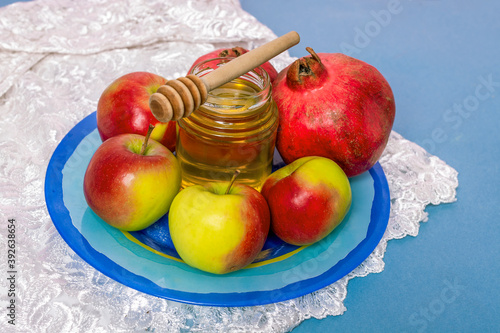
(442, 59)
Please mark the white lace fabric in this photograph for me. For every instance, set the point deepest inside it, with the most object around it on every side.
(56, 57)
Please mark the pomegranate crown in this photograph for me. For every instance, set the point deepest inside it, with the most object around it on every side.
(306, 72)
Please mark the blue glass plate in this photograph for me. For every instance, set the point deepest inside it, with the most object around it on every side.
(147, 261)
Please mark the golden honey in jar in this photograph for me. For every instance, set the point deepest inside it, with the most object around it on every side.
(234, 129)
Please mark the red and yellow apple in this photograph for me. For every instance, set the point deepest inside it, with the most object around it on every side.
(124, 108)
(128, 188)
(219, 232)
(308, 199)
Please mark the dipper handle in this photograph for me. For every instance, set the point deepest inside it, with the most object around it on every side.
(179, 98)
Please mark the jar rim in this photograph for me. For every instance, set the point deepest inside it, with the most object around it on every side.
(206, 66)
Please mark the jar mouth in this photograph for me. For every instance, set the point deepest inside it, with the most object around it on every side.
(251, 90)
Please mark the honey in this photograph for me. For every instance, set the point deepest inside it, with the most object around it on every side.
(234, 129)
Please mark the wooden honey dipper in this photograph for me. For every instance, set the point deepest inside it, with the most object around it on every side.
(179, 98)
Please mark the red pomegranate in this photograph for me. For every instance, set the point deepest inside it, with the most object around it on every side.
(334, 106)
(235, 52)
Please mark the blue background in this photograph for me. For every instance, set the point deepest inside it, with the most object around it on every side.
(434, 54)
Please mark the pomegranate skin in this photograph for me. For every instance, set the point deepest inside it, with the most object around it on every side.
(334, 106)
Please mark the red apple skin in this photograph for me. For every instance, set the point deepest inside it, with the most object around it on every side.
(124, 108)
(256, 219)
(308, 199)
(340, 108)
(128, 190)
(235, 52)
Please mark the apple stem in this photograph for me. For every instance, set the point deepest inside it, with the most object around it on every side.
(145, 144)
(236, 173)
(313, 54)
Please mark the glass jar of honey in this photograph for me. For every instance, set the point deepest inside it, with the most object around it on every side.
(234, 129)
